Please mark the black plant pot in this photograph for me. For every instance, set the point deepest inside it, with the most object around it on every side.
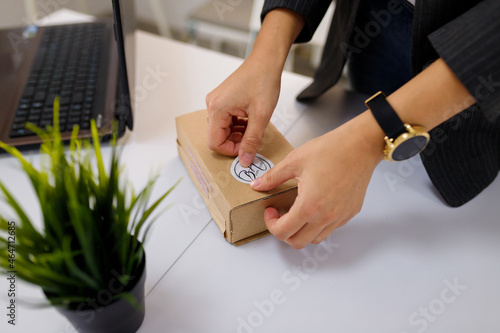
(99, 315)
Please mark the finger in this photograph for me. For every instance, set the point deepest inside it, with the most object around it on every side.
(286, 225)
(226, 146)
(238, 128)
(217, 140)
(328, 231)
(239, 121)
(235, 137)
(324, 234)
(304, 236)
(277, 225)
(313, 222)
(271, 216)
(252, 138)
(238, 125)
(219, 134)
(274, 177)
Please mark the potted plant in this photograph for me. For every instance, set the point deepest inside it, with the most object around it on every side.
(88, 258)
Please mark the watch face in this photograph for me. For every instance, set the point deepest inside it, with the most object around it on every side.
(409, 147)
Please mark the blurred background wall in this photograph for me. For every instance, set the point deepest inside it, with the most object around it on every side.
(227, 26)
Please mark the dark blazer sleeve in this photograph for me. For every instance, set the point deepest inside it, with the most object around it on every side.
(470, 45)
(312, 11)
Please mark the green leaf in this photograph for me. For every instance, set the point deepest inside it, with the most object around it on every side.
(23, 218)
(98, 155)
(153, 207)
(78, 273)
(80, 218)
(41, 273)
(131, 300)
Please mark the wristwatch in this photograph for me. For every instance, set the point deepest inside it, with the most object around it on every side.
(402, 141)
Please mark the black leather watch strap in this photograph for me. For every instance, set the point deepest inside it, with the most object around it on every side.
(385, 115)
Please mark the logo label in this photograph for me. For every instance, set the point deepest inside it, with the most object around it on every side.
(259, 166)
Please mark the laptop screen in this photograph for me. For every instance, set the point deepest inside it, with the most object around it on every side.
(124, 15)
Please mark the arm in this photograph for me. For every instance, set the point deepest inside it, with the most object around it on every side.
(241, 107)
(334, 170)
(431, 97)
(470, 46)
(311, 10)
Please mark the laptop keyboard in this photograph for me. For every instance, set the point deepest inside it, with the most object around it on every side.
(66, 65)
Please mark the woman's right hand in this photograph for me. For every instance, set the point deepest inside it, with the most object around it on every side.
(240, 108)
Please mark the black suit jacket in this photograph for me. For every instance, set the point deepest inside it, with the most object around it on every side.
(463, 156)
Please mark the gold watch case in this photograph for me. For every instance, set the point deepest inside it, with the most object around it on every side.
(407, 144)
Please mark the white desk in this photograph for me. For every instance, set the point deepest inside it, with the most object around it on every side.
(397, 256)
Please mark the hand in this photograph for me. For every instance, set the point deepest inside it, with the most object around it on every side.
(333, 172)
(240, 109)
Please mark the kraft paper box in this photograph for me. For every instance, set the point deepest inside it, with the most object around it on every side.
(223, 183)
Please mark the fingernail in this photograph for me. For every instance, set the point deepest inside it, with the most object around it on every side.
(256, 182)
(246, 160)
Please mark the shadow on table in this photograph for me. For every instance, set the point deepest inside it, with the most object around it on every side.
(417, 233)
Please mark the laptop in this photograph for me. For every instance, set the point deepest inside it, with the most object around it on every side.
(90, 66)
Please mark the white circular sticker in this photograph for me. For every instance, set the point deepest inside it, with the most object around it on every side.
(259, 166)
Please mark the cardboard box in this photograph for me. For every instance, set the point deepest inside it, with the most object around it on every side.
(237, 210)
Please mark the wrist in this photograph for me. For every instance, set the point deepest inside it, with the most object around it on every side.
(370, 135)
(361, 136)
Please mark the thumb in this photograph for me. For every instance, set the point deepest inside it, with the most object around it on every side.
(274, 177)
(252, 138)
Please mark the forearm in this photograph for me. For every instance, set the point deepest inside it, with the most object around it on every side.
(429, 99)
(279, 30)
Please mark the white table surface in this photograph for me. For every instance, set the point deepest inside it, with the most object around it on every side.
(388, 270)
